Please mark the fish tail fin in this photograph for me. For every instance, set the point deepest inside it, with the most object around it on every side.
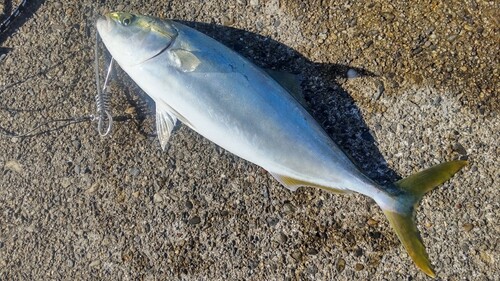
(410, 191)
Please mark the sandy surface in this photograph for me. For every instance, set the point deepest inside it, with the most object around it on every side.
(74, 205)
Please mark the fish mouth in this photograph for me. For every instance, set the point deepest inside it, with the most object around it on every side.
(103, 24)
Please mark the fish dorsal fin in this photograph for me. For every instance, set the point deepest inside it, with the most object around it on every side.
(185, 60)
(289, 81)
(165, 123)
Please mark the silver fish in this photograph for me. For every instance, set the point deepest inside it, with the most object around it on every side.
(240, 107)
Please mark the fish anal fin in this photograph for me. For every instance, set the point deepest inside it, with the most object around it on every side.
(290, 183)
(165, 123)
(293, 184)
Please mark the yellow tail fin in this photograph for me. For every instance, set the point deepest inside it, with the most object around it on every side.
(413, 189)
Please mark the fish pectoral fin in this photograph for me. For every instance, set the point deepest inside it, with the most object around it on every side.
(293, 184)
(185, 60)
(165, 123)
(291, 82)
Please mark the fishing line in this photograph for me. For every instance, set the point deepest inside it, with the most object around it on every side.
(102, 116)
(35, 131)
(4, 25)
(47, 126)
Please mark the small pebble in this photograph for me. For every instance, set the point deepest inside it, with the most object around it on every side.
(468, 27)
(65, 182)
(69, 11)
(388, 16)
(375, 235)
(254, 3)
(372, 222)
(226, 20)
(351, 73)
(340, 265)
(272, 221)
(157, 198)
(14, 166)
(194, 220)
(92, 189)
(380, 89)
(459, 149)
(288, 208)
(135, 172)
(359, 267)
(283, 238)
(297, 255)
(259, 25)
(130, 110)
(468, 226)
(358, 252)
(312, 270)
(312, 251)
(486, 257)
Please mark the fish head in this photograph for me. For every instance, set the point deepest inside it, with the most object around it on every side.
(132, 39)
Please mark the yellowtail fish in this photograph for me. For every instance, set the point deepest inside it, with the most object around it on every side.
(242, 108)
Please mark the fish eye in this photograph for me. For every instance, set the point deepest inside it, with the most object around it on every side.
(126, 20)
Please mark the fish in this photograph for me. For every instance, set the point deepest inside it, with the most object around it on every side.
(252, 113)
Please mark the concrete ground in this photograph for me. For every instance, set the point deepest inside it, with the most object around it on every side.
(74, 205)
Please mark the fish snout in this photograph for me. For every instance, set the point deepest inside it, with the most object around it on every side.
(103, 24)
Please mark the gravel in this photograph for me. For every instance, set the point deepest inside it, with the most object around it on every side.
(74, 205)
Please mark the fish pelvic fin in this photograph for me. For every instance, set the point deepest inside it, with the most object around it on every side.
(402, 216)
(165, 123)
